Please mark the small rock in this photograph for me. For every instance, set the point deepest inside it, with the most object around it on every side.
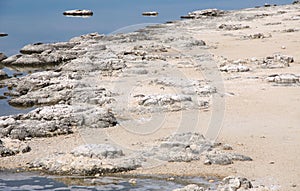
(132, 181)
(78, 12)
(3, 34)
(190, 187)
(234, 183)
(227, 147)
(150, 13)
(207, 162)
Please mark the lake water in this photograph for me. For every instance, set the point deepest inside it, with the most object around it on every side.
(32, 181)
(30, 21)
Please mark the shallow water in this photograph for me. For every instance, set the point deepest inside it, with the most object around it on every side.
(33, 181)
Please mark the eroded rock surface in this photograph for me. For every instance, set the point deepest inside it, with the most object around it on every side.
(88, 159)
(54, 120)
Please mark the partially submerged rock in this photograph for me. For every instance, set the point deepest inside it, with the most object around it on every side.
(79, 12)
(3, 34)
(190, 187)
(150, 13)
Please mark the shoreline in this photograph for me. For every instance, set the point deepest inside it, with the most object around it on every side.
(245, 92)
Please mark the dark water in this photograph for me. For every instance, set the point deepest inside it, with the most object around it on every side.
(30, 181)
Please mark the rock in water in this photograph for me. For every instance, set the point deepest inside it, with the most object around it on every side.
(79, 12)
(3, 34)
(150, 13)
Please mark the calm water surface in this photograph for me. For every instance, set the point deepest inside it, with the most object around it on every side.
(32, 181)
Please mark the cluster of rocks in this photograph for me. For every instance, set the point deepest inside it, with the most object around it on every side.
(9, 147)
(284, 79)
(229, 183)
(54, 120)
(244, 65)
(203, 14)
(186, 147)
(234, 68)
(94, 159)
(276, 61)
(257, 36)
(233, 27)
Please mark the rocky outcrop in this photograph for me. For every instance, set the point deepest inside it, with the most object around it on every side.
(203, 14)
(9, 147)
(93, 159)
(186, 147)
(40, 54)
(54, 120)
(244, 65)
(88, 159)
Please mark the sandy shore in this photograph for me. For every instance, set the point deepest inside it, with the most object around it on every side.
(261, 119)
